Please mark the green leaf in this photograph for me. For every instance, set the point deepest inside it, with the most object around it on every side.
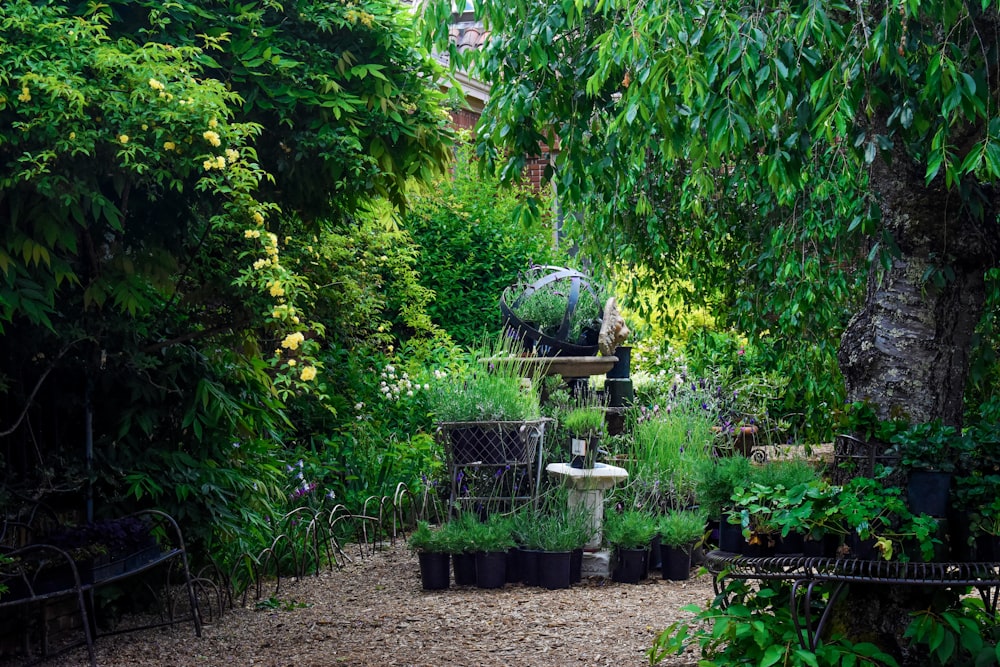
(772, 655)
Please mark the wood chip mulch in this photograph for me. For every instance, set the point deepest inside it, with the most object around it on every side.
(373, 612)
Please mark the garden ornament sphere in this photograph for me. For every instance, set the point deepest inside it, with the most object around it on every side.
(553, 311)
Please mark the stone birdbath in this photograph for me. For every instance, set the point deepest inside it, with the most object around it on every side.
(586, 489)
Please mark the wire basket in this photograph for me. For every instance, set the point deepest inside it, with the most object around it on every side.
(491, 442)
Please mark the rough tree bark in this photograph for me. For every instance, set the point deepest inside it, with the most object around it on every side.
(907, 350)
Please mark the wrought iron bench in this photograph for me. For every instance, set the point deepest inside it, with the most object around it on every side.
(36, 572)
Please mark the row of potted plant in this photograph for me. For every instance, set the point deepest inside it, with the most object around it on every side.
(636, 535)
(544, 547)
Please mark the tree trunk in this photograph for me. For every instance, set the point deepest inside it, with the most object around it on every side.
(907, 350)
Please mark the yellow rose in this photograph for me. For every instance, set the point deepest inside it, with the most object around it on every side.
(258, 218)
(277, 290)
(212, 138)
(169, 145)
(291, 362)
(25, 95)
(308, 373)
(293, 340)
(123, 138)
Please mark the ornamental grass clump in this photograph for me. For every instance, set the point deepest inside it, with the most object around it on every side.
(492, 384)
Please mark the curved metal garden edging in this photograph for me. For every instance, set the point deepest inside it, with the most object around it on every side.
(311, 540)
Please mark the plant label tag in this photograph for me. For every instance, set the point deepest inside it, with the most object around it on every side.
(579, 447)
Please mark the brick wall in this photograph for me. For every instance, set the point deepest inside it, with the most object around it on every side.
(535, 169)
(465, 119)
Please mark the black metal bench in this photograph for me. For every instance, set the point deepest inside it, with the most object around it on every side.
(41, 572)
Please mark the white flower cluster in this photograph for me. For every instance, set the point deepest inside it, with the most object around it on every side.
(394, 386)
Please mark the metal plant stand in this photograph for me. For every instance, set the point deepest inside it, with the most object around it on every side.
(493, 463)
(806, 574)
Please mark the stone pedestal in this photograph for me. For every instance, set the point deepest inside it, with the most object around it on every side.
(586, 488)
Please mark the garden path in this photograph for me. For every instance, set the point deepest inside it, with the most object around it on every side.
(374, 613)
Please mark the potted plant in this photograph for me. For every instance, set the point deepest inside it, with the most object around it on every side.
(492, 539)
(629, 533)
(526, 529)
(669, 447)
(715, 480)
(434, 560)
(812, 510)
(978, 502)
(930, 453)
(557, 538)
(586, 426)
(553, 310)
(483, 406)
(679, 531)
(459, 539)
(783, 476)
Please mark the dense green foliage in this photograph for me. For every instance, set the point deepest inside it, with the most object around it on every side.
(724, 151)
(195, 275)
(472, 246)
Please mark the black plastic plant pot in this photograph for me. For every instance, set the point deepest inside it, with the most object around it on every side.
(465, 569)
(793, 543)
(822, 548)
(630, 565)
(434, 572)
(731, 538)
(576, 566)
(515, 575)
(622, 368)
(861, 549)
(529, 567)
(491, 569)
(987, 548)
(655, 553)
(928, 491)
(675, 563)
(553, 569)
